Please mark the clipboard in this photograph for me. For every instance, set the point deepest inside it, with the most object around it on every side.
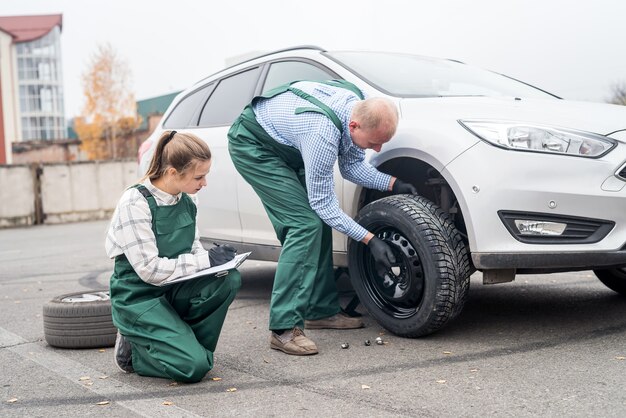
(218, 271)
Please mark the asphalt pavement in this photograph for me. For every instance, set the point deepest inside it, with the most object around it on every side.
(546, 345)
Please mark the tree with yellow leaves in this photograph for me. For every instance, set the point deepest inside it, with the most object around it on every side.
(109, 106)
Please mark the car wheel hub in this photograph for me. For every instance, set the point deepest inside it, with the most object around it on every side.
(400, 291)
(87, 297)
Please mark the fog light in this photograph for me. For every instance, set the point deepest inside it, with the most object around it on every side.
(550, 228)
(533, 227)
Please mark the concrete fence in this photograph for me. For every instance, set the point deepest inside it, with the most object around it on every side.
(56, 193)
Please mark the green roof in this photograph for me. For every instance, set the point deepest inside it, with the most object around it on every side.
(71, 133)
(153, 106)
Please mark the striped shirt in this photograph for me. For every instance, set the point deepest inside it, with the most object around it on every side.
(130, 233)
(321, 145)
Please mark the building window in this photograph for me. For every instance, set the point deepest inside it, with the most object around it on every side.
(40, 83)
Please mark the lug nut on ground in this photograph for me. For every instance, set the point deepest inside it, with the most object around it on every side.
(345, 345)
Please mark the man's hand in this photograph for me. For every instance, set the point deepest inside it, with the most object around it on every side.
(382, 255)
(400, 187)
(221, 254)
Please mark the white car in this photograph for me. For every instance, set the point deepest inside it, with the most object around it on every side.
(511, 179)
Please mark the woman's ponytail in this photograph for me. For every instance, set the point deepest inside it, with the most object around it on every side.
(178, 150)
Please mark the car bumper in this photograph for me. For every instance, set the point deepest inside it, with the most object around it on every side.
(489, 180)
(549, 262)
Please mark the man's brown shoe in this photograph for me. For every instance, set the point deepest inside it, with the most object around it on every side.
(293, 342)
(337, 321)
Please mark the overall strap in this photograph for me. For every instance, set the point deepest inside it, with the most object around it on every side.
(346, 85)
(335, 83)
(321, 107)
(151, 202)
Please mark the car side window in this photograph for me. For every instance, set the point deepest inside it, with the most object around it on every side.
(283, 72)
(231, 95)
(181, 116)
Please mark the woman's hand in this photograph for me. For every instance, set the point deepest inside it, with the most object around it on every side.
(221, 254)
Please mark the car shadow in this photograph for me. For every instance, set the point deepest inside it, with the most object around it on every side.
(562, 307)
(532, 307)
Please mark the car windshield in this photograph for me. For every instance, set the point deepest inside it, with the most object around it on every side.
(416, 76)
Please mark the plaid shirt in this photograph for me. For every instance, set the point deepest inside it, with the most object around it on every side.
(130, 233)
(321, 145)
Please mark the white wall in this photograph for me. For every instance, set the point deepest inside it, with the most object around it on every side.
(17, 196)
(69, 192)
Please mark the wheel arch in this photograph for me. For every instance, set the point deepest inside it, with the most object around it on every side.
(428, 176)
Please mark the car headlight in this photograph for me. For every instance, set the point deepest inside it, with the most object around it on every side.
(521, 136)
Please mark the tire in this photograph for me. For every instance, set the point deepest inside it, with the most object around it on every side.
(432, 283)
(79, 320)
(614, 279)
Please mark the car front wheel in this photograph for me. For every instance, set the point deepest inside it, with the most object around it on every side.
(614, 279)
(430, 282)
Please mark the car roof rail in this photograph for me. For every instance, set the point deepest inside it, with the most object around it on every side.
(293, 48)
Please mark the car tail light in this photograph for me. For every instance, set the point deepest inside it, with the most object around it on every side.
(145, 146)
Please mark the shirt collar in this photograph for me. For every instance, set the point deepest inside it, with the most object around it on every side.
(346, 139)
(160, 195)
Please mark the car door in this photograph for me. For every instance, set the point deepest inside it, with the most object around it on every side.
(255, 224)
(218, 215)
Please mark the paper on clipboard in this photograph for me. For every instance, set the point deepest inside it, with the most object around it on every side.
(219, 271)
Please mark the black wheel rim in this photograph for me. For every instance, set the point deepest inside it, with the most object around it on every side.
(399, 294)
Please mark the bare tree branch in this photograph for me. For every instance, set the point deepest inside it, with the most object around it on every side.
(618, 94)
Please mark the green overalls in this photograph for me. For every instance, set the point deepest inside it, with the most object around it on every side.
(304, 284)
(173, 329)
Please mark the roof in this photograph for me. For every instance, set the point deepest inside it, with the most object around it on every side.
(153, 106)
(29, 28)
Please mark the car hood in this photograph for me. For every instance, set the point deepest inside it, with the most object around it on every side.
(599, 118)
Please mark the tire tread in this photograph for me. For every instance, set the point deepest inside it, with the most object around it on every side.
(449, 252)
(78, 324)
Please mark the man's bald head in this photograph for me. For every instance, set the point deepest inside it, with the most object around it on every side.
(376, 113)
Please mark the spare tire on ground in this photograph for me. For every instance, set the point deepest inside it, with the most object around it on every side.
(79, 320)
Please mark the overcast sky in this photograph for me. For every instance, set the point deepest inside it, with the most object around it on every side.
(575, 49)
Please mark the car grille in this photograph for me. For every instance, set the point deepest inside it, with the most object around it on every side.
(622, 172)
